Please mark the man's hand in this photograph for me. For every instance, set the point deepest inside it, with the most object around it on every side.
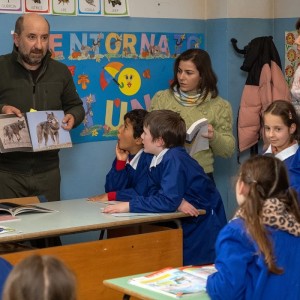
(117, 208)
(68, 122)
(188, 208)
(102, 197)
(8, 109)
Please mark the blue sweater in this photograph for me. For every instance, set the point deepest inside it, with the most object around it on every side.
(178, 176)
(242, 273)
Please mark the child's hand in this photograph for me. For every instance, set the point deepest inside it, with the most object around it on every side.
(121, 154)
(188, 208)
(102, 197)
(117, 208)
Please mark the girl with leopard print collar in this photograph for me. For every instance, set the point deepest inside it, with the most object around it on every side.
(258, 251)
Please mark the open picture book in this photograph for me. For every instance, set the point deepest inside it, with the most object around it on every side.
(16, 209)
(176, 282)
(34, 131)
(194, 140)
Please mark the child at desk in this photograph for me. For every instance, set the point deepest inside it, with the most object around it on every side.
(5, 268)
(258, 251)
(128, 175)
(177, 181)
(282, 131)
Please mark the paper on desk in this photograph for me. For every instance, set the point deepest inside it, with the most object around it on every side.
(5, 229)
(134, 214)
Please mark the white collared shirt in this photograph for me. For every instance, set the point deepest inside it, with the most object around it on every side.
(134, 162)
(286, 153)
(157, 159)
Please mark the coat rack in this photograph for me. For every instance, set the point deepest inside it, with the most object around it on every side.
(235, 47)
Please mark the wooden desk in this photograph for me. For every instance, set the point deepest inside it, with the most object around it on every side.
(121, 284)
(74, 216)
(93, 262)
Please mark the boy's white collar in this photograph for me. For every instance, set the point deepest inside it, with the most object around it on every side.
(157, 159)
(135, 160)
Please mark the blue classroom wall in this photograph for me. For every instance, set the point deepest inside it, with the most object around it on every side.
(84, 167)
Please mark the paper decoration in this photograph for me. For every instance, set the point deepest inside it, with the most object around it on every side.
(64, 7)
(116, 8)
(11, 6)
(37, 6)
(292, 56)
(89, 7)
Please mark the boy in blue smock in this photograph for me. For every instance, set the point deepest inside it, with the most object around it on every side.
(177, 182)
(128, 174)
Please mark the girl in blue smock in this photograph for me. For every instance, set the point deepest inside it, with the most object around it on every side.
(281, 128)
(258, 251)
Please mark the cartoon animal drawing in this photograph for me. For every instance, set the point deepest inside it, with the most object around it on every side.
(13, 130)
(154, 50)
(90, 2)
(63, 1)
(114, 2)
(50, 127)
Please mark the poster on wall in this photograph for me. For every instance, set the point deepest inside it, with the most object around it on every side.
(115, 72)
(292, 56)
(64, 7)
(89, 7)
(37, 6)
(11, 6)
(116, 8)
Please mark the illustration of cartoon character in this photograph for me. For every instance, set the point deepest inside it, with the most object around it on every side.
(90, 2)
(63, 1)
(114, 2)
(154, 50)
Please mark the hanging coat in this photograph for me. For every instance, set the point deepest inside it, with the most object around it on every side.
(265, 83)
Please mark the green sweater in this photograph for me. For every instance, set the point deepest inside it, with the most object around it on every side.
(217, 111)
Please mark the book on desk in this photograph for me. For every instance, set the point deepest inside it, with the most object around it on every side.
(176, 282)
(15, 209)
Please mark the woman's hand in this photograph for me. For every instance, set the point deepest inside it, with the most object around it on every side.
(210, 132)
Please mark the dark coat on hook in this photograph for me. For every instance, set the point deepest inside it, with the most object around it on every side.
(265, 83)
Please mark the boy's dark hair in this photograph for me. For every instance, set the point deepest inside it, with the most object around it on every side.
(297, 25)
(168, 125)
(136, 117)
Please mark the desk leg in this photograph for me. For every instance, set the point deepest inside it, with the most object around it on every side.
(126, 297)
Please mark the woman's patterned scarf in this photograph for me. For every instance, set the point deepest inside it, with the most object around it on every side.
(186, 99)
(274, 214)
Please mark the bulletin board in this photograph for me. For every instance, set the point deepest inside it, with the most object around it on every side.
(292, 59)
(115, 72)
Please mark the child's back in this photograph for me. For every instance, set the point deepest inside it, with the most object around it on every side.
(181, 177)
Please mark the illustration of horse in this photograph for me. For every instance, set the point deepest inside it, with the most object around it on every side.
(50, 127)
(13, 130)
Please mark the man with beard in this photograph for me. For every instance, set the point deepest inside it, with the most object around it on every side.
(32, 80)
